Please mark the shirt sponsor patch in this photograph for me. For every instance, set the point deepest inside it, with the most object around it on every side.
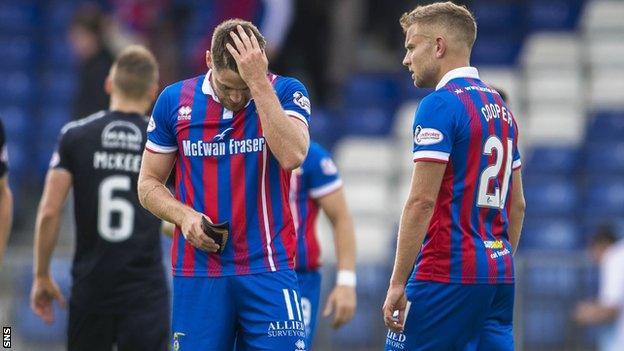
(427, 136)
(328, 166)
(302, 101)
(151, 126)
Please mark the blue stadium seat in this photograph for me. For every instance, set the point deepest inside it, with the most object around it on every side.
(604, 197)
(29, 325)
(546, 278)
(607, 125)
(409, 91)
(15, 120)
(553, 14)
(496, 49)
(59, 51)
(18, 17)
(323, 126)
(59, 14)
(551, 160)
(544, 324)
(372, 89)
(18, 52)
(59, 86)
(371, 121)
(604, 157)
(19, 158)
(501, 16)
(551, 196)
(17, 87)
(558, 233)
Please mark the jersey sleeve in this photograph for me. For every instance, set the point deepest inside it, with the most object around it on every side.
(434, 129)
(517, 163)
(294, 99)
(320, 173)
(61, 158)
(4, 156)
(160, 129)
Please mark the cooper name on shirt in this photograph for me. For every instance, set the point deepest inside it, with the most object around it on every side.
(232, 147)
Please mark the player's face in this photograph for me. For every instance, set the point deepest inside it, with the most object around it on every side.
(420, 57)
(230, 89)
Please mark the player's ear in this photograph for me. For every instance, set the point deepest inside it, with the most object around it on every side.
(208, 59)
(108, 85)
(440, 47)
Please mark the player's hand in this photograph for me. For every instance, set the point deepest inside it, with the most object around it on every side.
(44, 291)
(342, 302)
(192, 230)
(250, 59)
(395, 301)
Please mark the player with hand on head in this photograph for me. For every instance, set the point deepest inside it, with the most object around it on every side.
(234, 135)
(464, 212)
(119, 292)
(6, 196)
(313, 186)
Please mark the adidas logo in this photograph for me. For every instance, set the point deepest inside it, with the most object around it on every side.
(184, 113)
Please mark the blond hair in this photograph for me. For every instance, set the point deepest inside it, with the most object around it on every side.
(221, 57)
(453, 18)
(134, 72)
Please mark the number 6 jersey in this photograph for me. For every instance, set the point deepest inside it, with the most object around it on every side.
(118, 260)
(467, 125)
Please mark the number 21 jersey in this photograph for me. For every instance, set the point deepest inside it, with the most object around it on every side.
(467, 125)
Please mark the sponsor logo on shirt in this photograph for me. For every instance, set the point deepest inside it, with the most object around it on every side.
(122, 135)
(151, 126)
(328, 166)
(202, 148)
(184, 113)
(287, 328)
(302, 101)
(427, 136)
(220, 136)
(300, 344)
(395, 340)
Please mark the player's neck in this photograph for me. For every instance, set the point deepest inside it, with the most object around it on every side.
(450, 65)
(128, 106)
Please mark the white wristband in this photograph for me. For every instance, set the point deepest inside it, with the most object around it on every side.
(346, 278)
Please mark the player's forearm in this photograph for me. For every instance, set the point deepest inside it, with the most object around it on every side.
(344, 237)
(287, 140)
(46, 235)
(156, 198)
(6, 218)
(516, 219)
(414, 222)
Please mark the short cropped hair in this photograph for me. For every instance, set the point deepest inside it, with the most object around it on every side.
(134, 72)
(454, 18)
(221, 57)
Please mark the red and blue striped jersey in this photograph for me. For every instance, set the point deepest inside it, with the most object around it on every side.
(225, 170)
(317, 177)
(467, 125)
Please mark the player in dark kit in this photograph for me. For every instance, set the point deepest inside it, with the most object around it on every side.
(119, 293)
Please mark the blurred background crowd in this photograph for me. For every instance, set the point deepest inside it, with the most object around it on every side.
(561, 63)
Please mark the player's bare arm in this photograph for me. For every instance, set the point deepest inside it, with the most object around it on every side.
(516, 209)
(417, 212)
(6, 214)
(156, 198)
(287, 137)
(44, 289)
(342, 300)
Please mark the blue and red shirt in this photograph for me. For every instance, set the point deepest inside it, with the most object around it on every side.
(467, 125)
(317, 177)
(226, 171)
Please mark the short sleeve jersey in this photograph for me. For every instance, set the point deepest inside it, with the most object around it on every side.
(317, 177)
(465, 124)
(226, 170)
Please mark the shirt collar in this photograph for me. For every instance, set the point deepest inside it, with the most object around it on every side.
(461, 72)
(207, 87)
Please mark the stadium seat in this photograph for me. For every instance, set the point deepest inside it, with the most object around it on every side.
(558, 233)
(58, 14)
(552, 49)
(375, 236)
(371, 121)
(559, 124)
(17, 17)
(365, 156)
(58, 86)
(15, 121)
(18, 52)
(497, 15)
(544, 324)
(607, 125)
(605, 51)
(551, 196)
(59, 52)
(552, 85)
(367, 196)
(603, 17)
(372, 90)
(551, 160)
(18, 87)
(605, 88)
(549, 275)
(495, 49)
(604, 157)
(553, 14)
(604, 196)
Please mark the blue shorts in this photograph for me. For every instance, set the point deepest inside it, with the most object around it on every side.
(456, 317)
(310, 287)
(254, 312)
